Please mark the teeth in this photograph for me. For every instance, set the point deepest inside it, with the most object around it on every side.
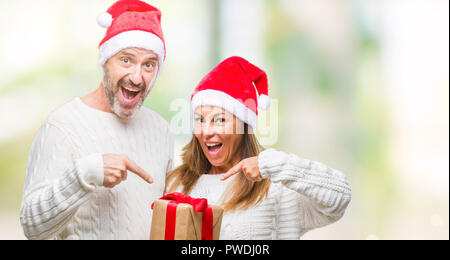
(211, 145)
(131, 90)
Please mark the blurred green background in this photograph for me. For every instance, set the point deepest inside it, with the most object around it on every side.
(361, 85)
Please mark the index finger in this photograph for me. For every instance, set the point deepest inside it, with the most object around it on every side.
(133, 167)
(235, 169)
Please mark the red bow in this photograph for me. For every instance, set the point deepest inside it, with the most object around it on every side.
(200, 205)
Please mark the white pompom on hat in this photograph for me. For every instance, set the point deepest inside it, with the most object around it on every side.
(104, 20)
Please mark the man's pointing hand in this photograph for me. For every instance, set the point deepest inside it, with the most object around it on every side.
(116, 167)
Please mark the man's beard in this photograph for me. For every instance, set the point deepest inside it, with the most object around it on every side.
(112, 92)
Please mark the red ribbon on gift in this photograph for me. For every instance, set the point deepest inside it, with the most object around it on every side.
(200, 205)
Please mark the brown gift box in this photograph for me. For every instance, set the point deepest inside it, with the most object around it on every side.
(188, 222)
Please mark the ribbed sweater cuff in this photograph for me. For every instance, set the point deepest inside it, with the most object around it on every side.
(90, 171)
(270, 161)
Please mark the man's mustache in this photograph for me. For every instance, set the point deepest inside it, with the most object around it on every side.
(126, 81)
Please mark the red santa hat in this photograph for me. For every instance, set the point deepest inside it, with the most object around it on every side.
(131, 23)
(231, 85)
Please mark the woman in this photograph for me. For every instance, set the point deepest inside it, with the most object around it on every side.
(266, 194)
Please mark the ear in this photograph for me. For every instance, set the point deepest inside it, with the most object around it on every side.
(103, 68)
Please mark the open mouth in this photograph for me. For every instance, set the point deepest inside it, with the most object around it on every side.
(129, 94)
(214, 148)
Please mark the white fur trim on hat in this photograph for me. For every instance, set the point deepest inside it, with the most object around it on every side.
(129, 39)
(221, 99)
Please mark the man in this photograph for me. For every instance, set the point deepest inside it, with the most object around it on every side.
(98, 162)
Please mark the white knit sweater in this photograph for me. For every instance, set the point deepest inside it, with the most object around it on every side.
(303, 195)
(63, 196)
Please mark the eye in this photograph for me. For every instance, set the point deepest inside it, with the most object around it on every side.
(219, 120)
(125, 60)
(198, 120)
(149, 66)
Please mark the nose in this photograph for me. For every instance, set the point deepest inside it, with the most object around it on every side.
(208, 130)
(136, 76)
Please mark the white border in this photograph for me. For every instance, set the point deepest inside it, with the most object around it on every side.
(129, 39)
(221, 99)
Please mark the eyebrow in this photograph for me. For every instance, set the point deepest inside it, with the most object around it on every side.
(216, 114)
(127, 54)
(219, 114)
(152, 58)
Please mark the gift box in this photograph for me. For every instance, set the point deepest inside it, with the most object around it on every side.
(180, 217)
